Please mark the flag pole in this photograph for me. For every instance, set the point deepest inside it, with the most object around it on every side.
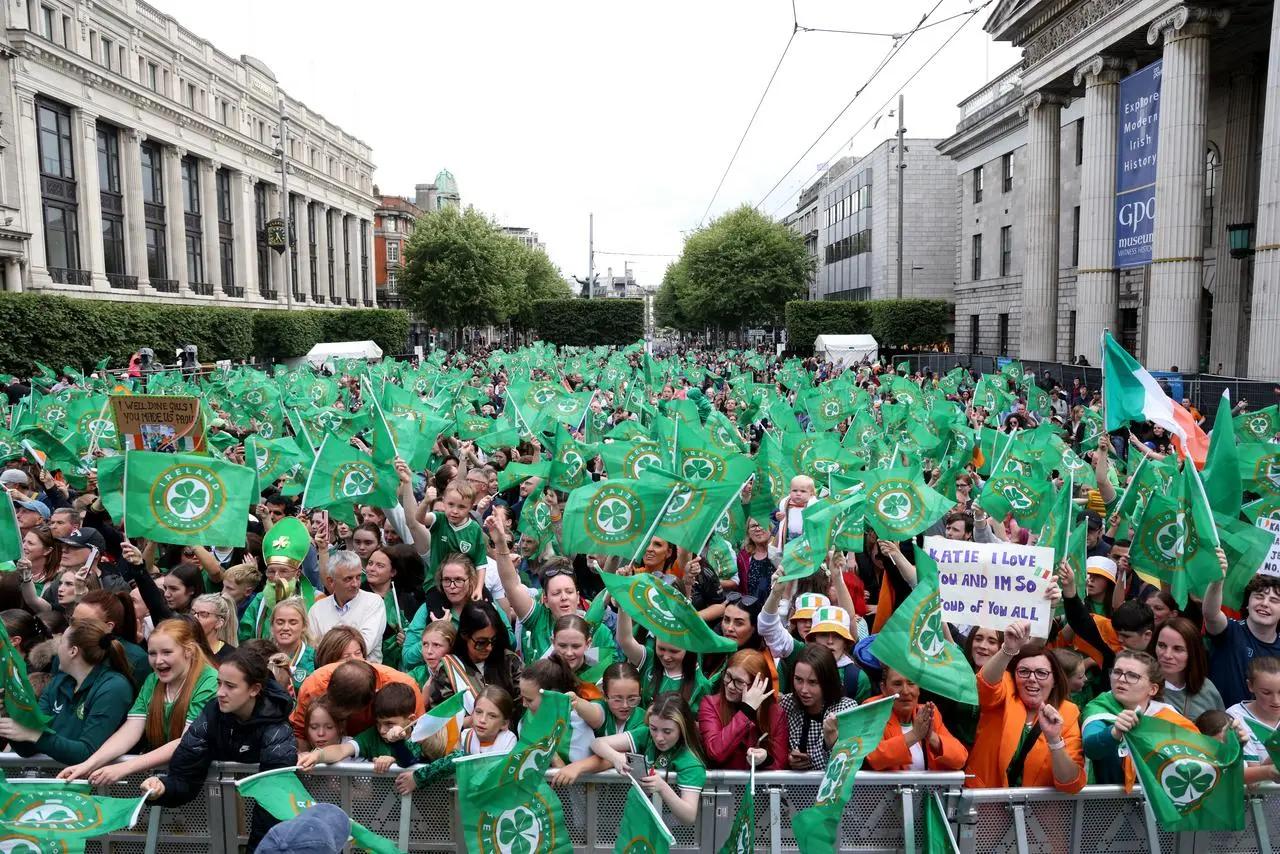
(1195, 474)
(644, 541)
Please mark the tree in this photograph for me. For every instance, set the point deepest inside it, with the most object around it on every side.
(740, 269)
(534, 279)
(457, 270)
(667, 311)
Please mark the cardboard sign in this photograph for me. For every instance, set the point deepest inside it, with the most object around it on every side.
(1271, 566)
(993, 585)
(155, 422)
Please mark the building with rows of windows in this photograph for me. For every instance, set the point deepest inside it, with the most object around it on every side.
(138, 162)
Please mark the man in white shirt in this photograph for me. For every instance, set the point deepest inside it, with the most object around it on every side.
(349, 605)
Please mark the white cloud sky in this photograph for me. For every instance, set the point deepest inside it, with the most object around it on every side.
(547, 111)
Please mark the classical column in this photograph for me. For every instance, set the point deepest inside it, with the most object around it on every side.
(13, 275)
(246, 238)
(1238, 197)
(32, 206)
(1177, 252)
(90, 199)
(302, 208)
(1097, 297)
(1264, 343)
(353, 262)
(339, 262)
(1039, 330)
(370, 279)
(135, 230)
(175, 222)
(209, 225)
(322, 252)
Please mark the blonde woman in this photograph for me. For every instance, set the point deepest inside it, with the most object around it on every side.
(289, 632)
(215, 613)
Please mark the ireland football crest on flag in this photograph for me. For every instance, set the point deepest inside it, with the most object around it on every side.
(611, 513)
(188, 498)
(352, 479)
(898, 503)
(1192, 782)
(524, 827)
(1266, 472)
(700, 464)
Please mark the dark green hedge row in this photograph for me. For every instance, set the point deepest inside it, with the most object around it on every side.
(589, 322)
(893, 322)
(59, 331)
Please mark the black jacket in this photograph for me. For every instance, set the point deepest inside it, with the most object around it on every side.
(266, 739)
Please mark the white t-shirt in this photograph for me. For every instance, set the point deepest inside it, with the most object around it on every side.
(917, 750)
(1255, 751)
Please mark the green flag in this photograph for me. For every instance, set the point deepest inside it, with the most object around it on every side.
(49, 816)
(913, 643)
(1019, 487)
(283, 795)
(642, 830)
(1258, 426)
(186, 499)
(1199, 564)
(899, 504)
(20, 702)
(860, 731)
(660, 609)
(10, 534)
(613, 517)
(1193, 782)
(939, 838)
(342, 475)
(1222, 481)
(742, 833)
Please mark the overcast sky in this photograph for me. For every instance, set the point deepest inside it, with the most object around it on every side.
(548, 111)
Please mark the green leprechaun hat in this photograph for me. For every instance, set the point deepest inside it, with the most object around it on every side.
(287, 543)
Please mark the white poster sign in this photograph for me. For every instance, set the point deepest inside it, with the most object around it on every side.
(993, 585)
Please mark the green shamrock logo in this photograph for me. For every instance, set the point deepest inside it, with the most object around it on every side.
(518, 831)
(614, 515)
(697, 469)
(895, 506)
(931, 640)
(1171, 538)
(188, 497)
(357, 482)
(1188, 781)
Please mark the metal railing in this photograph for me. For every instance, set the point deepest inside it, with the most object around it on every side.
(885, 814)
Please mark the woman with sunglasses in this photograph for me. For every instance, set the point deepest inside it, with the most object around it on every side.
(1137, 682)
(481, 656)
(560, 596)
(1028, 731)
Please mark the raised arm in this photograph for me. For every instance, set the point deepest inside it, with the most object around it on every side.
(631, 648)
(517, 594)
(1215, 622)
(419, 535)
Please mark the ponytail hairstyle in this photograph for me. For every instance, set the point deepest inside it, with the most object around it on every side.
(96, 644)
(671, 706)
(22, 625)
(222, 605)
(117, 609)
(551, 674)
(181, 633)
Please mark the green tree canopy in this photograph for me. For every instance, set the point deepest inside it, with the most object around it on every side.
(740, 269)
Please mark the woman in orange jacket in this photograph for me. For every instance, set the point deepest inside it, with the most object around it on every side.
(914, 737)
(1028, 731)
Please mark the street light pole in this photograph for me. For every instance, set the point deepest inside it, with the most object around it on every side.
(902, 171)
(591, 256)
(286, 208)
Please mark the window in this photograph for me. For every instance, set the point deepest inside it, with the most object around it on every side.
(157, 252)
(1006, 250)
(108, 48)
(1079, 141)
(190, 185)
(152, 174)
(1212, 170)
(1075, 237)
(223, 182)
(364, 260)
(1006, 173)
(328, 242)
(47, 16)
(111, 200)
(392, 225)
(152, 75)
(113, 244)
(227, 261)
(226, 239)
(108, 159)
(264, 251)
(976, 272)
(1002, 335)
(58, 193)
(311, 252)
(975, 344)
(346, 255)
(224, 111)
(191, 95)
(393, 252)
(977, 185)
(195, 257)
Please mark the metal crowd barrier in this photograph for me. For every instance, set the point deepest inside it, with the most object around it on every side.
(886, 814)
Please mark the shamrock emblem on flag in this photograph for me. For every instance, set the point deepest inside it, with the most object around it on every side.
(614, 515)
(519, 831)
(895, 505)
(187, 498)
(1188, 781)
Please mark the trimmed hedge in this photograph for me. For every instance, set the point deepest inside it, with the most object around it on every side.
(589, 322)
(58, 331)
(892, 322)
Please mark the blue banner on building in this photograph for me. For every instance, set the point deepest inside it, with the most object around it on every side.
(1139, 137)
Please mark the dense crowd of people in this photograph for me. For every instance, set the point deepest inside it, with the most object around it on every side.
(330, 632)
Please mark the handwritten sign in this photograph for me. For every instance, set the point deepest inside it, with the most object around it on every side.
(155, 422)
(1271, 566)
(993, 585)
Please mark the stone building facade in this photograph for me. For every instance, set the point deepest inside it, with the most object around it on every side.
(138, 162)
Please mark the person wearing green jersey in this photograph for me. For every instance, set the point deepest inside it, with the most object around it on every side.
(173, 695)
(289, 632)
(453, 531)
(663, 667)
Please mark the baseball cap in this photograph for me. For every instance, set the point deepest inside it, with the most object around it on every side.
(807, 604)
(831, 618)
(35, 507)
(14, 477)
(1104, 566)
(1094, 520)
(84, 538)
(319, 829)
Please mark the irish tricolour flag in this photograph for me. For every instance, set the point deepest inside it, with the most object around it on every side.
(1130, 393)
(447, 716)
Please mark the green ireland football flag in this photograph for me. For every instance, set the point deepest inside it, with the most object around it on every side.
(912, 642)
(341, 475)
(860, 731)
(187, 499)
(1259, 425)
(939, 838)
(660, 609)
(1222, 481)
(1193, 782)
(504, 801)
(10, 535)
(1018, 487)
(613, 517)
(282, 794)
(742, 833)
(899, 504)
(20, 701)
(642, 830)
(55, 816)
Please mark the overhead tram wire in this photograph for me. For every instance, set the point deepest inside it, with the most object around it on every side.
(972, 15)
(898, 45)
(795, 28)
(939, 22)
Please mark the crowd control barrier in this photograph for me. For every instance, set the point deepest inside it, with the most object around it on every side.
(886, 814)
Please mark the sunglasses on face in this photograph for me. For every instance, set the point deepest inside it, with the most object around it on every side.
(481, 643)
